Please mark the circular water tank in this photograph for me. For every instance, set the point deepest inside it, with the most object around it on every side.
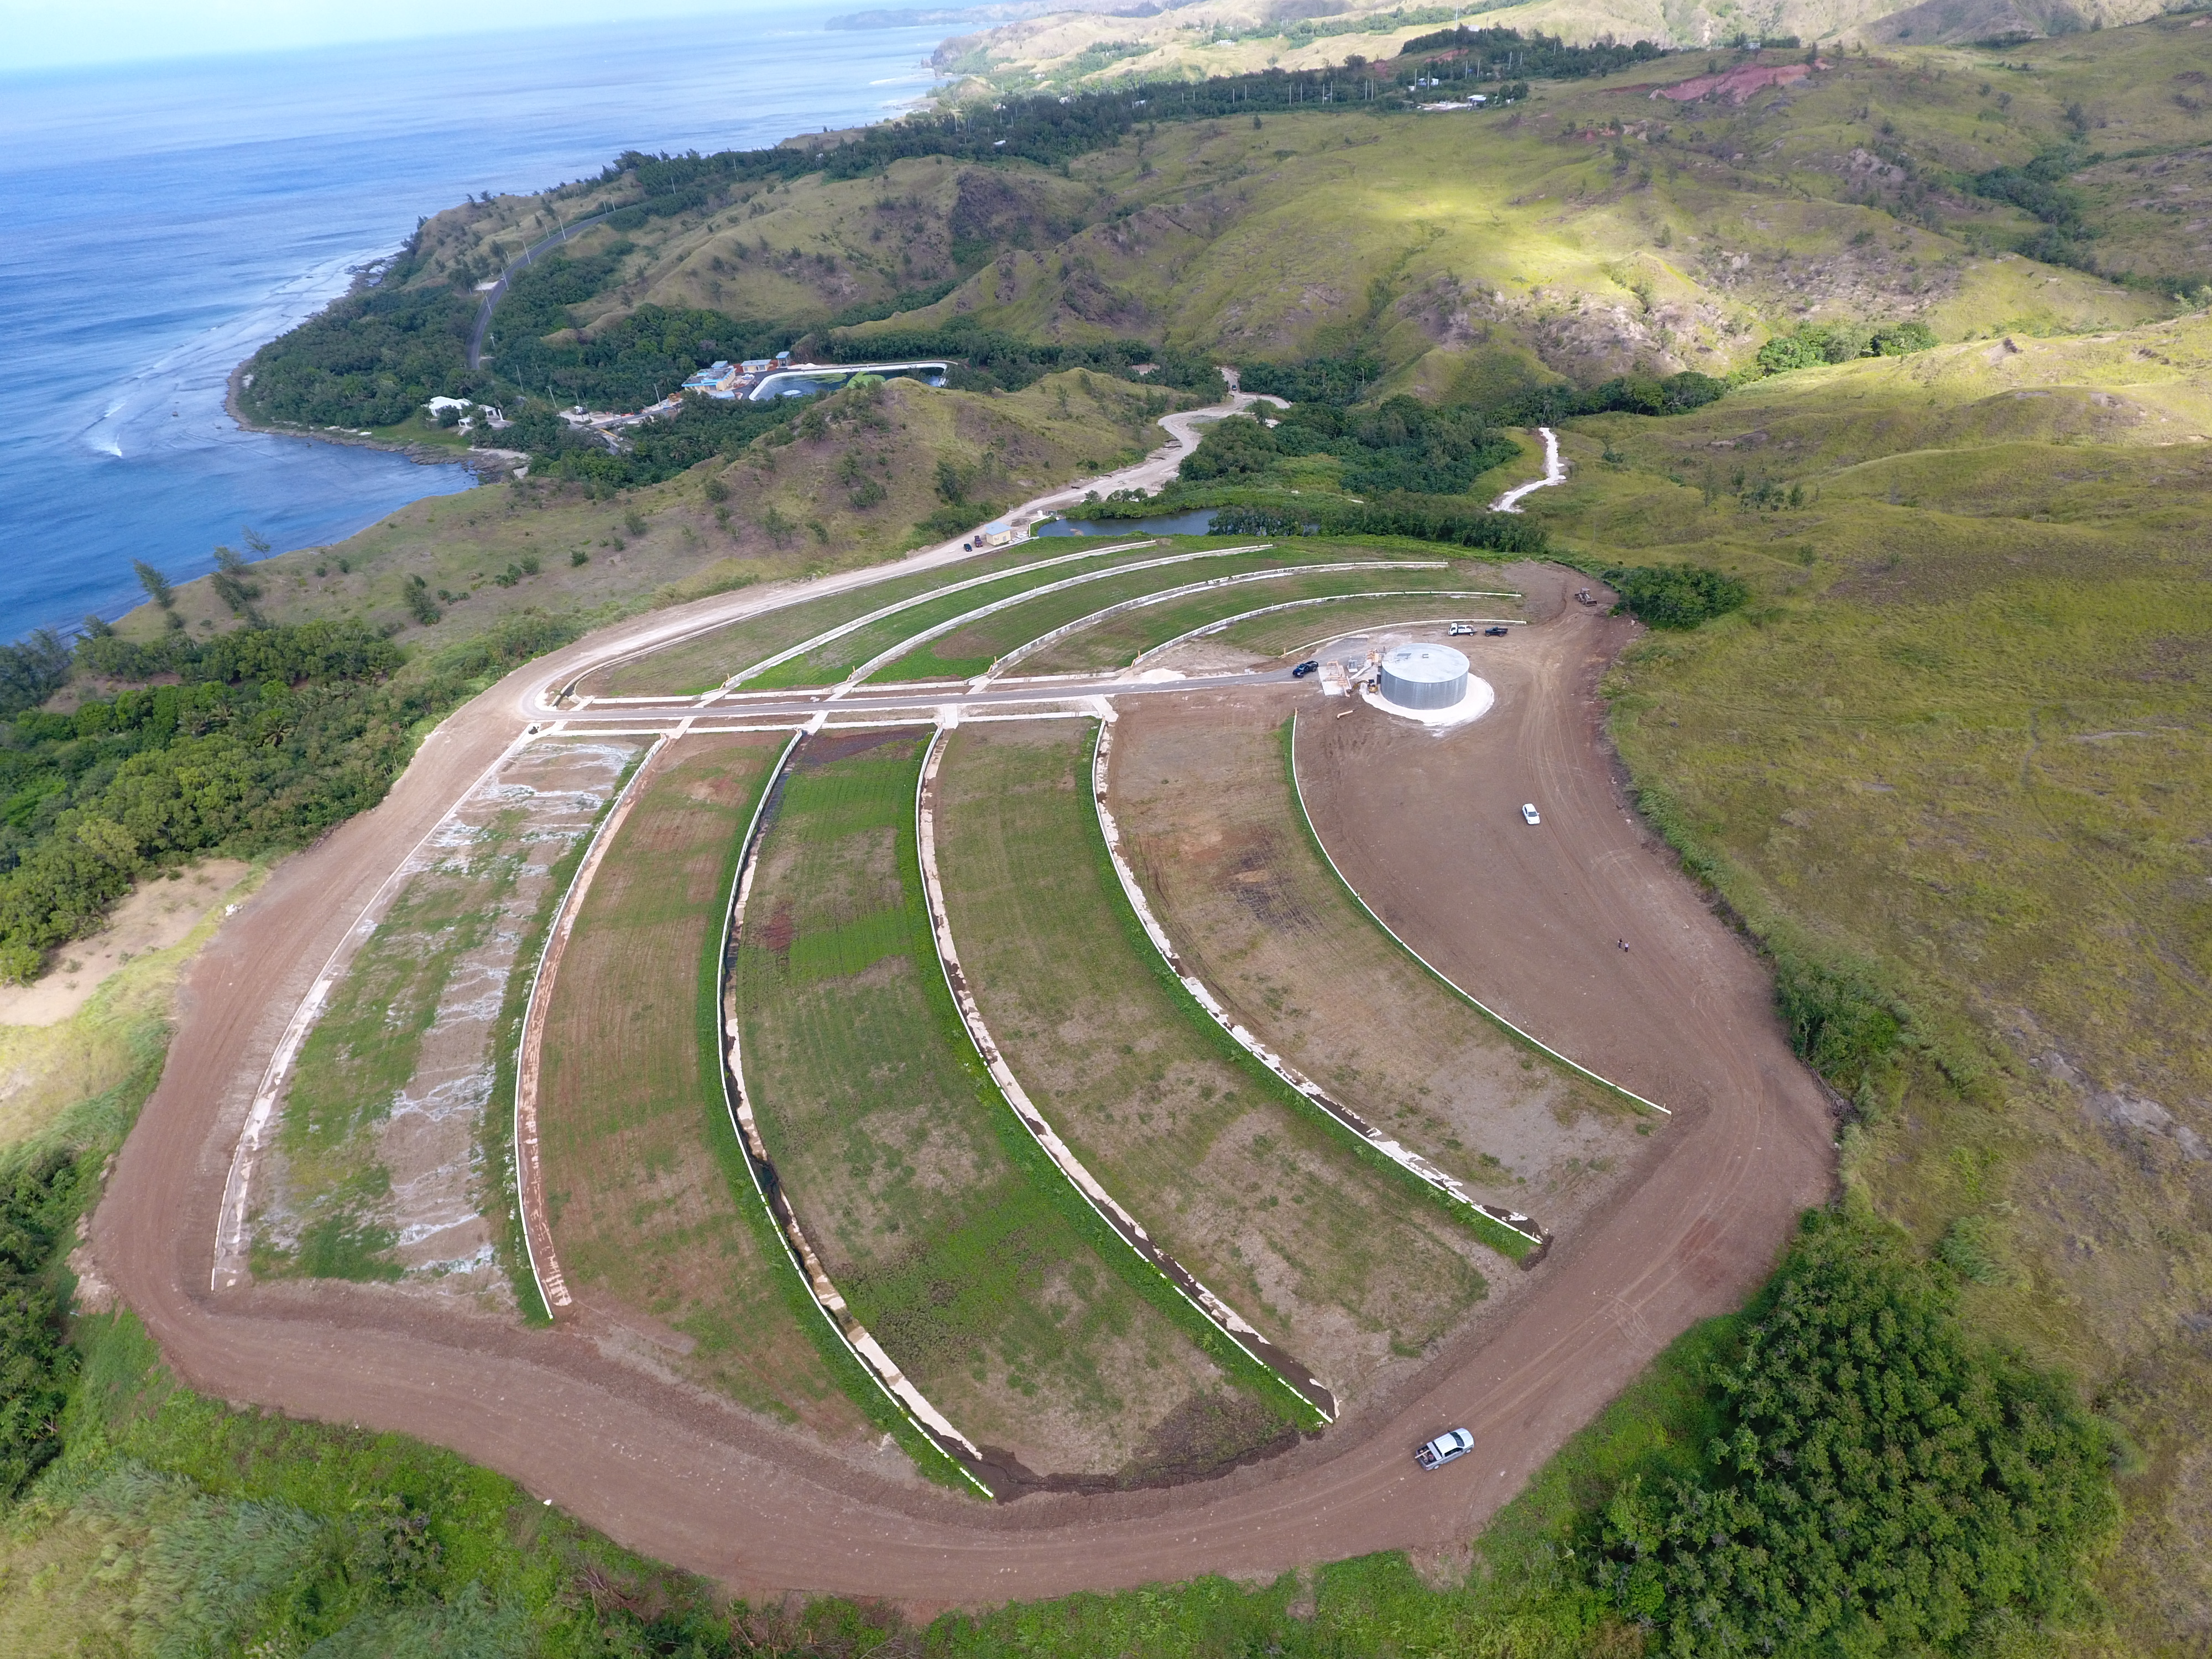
(1423, 677)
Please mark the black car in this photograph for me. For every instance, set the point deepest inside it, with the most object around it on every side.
(1497, 633)
(1305, 668)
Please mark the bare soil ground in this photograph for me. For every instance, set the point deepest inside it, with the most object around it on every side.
(1203, 792)
(895, 1154)
(377, 1168)
(1243, 1182)
(645, 1216)
(158, 913)
(665, 1470)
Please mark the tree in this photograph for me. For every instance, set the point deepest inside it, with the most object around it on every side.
(32, 671)
(233, 587)
(155, 584)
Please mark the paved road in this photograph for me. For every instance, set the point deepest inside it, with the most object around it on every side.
(665, 1470)
(498, 290)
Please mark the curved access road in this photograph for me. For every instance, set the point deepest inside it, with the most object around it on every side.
(494, 295)
(670, 1472)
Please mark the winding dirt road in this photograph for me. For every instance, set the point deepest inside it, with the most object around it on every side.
(1530, 923)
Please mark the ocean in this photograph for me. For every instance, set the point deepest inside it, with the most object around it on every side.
(165, 219)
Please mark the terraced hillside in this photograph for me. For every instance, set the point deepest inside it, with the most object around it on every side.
(1888, 767)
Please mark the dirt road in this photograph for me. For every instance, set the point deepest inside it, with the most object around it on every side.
(1531, 923)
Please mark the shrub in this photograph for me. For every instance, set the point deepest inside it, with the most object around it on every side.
(1817, 343)
(1630, 394)
(1838, 1021)
(37, 1194)
(1677, 595)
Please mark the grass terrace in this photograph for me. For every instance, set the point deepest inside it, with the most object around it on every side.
(377, 1167)
(1117, 641)
(835, 659)
(974, 647)
(659, 1231)
(1269, 1204)
(957, 1244)
(1287, 633)
(702, 663)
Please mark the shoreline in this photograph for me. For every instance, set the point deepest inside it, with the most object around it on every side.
(490, 466)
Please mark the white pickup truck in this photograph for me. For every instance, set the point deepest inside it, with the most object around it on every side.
(1451, 1443)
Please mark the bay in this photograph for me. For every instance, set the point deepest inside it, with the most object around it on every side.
(165, 219)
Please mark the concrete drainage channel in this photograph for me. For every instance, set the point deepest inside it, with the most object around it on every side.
(1522, 1233)
(1217, 1313)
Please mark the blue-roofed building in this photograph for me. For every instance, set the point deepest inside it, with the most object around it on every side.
(715, 379)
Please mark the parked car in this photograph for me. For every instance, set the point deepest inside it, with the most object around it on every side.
(1304, 668)
(1462, 630)
(1451, 1443)
(1497, 633)
(1529, 814)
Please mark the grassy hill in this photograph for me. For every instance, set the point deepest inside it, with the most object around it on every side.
(1949, 767)
(1064, 49)
(1603, 225)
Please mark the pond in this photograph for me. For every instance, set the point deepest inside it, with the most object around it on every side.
(1197, 522)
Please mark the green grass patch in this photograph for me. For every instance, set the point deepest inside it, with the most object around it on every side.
(831, 662)
(641, 1212)
(973, 647)
(1120, 640)
(701, 664)
(1307, 630)
(954, 1240)
(1194, 1138)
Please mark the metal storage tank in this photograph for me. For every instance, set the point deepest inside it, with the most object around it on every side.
(1423, 677)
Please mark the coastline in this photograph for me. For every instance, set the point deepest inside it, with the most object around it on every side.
(489, 466)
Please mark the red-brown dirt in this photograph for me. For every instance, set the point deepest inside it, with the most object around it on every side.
(1532, 924)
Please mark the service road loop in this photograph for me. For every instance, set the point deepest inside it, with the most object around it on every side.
(668, 1472)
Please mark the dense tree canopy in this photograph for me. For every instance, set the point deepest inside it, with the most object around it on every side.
(273, 735)
(1676, 595)
(1403, 446)
(1885, 1484)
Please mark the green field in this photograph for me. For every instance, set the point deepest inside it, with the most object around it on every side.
(638, 1155)
(1120, 640)
(973, 649)
(1239, 1180)
(955, 1243)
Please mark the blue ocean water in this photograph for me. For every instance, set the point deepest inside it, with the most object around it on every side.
(164, 221)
